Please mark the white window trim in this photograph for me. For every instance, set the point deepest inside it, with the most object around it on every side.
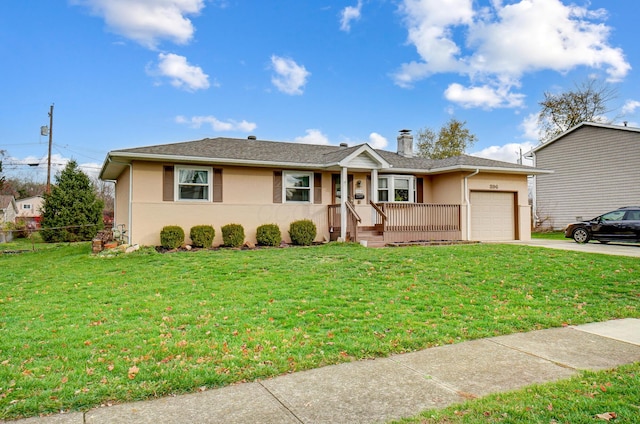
(176, 182)
(391, 178)
(284, 186)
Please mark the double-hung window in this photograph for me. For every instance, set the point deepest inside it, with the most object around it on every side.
(193, 183)
(297, 187)
(396, 188)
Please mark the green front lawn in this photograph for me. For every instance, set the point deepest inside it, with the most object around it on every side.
(590, 397)
(78, 330)
(549, 235)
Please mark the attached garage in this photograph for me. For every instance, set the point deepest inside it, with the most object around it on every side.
(493, 216)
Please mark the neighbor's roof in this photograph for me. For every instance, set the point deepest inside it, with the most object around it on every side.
(577, 127)
(260, 153)
(7, 200)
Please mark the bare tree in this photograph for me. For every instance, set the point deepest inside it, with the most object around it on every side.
(586, 103)
(452, 140)
(2, 179)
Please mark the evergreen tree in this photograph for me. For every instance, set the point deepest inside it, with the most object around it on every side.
(72, 211)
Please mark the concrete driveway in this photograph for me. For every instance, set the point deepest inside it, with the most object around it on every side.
(620, 249)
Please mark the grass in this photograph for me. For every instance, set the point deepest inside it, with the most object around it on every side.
(549, 235)
(610, 395)
(78, 330)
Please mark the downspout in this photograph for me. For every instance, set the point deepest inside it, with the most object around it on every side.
(534, 193)
(468, 201)
(115, 204)
(130, 213)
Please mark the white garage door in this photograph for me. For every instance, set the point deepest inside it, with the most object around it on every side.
(492, 216)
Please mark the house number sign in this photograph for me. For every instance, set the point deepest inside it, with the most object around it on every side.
(493, 186)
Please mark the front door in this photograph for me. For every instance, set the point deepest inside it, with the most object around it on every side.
(337, 190)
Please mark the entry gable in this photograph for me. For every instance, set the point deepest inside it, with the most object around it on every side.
(360, 157)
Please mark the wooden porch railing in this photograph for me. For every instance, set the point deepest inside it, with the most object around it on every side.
(421, 221)
(380, 217)
(402, 221)
(335, 222)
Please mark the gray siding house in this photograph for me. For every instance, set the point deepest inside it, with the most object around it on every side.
(596, 168)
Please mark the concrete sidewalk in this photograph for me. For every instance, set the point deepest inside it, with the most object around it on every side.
(380, 390)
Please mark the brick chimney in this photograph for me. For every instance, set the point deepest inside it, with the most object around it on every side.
(405, 144)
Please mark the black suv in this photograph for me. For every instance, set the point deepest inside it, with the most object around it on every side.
(620, 225)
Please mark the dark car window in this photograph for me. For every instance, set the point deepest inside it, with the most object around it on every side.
(633, 216)
(613, 216)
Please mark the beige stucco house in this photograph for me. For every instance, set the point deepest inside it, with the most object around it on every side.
(30, 210)
(389, 196)
(595, 170)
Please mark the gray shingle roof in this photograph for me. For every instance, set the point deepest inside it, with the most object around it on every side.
(272, 153)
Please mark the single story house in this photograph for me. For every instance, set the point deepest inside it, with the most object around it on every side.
(352, 193)
(596, 169)
(8, 212)
(30, 210)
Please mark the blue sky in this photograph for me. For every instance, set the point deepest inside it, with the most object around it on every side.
(129, 73)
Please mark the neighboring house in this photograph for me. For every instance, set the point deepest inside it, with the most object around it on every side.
(30, 210)
(8, 212)
(389, 196)
(596, 168)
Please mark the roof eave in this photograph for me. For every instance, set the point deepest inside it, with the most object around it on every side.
(471, 168)
(123, 158)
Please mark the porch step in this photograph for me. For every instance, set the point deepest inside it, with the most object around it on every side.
(372, 236)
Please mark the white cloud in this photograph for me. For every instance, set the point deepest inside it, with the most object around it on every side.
(348, 14)
(289, 77)
(508, 153)
(313, 137)
(483, 96)
(147, 21)
(630, 106)
(377, 141)
(216, 124)
(180, 72)
(495, 45)
(531, 127)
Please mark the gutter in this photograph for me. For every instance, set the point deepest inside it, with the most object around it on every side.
(130, 216)
(468, 202)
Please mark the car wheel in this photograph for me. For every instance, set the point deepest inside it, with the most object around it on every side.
(581, 235)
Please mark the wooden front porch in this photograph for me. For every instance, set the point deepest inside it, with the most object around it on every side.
(399, 222)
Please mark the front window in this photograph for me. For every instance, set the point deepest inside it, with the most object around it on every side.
(613, 216)
(297, 186)
(396, 188)
(26, 206)
(401, 190)
(193, 183)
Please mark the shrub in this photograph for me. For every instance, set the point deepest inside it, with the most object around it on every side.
(233, 235)
(172, 236)
(268, 235)
(302, 232)
(202, 235)
(17, 229)
(72, 211)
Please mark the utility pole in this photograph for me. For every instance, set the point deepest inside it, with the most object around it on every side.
(49, 157)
